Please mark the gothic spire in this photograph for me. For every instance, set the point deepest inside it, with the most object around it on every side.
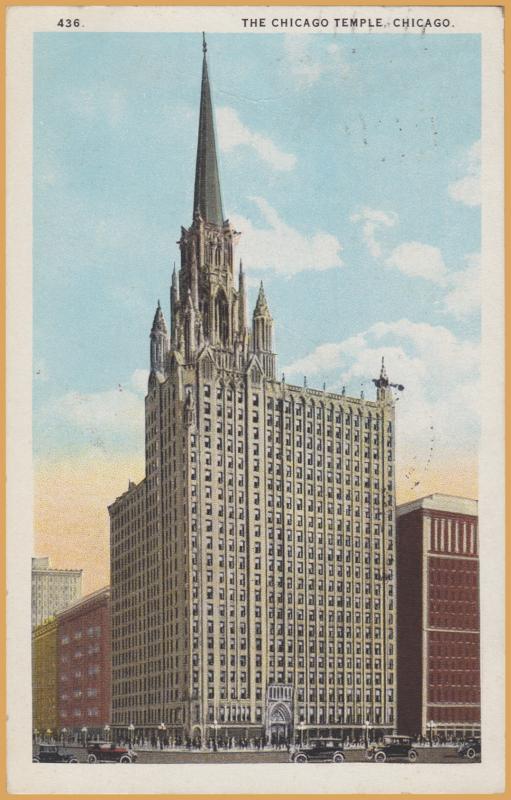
(207, 198)
(159, 342)
(262, 334)
(261, 307)
(242, 314)
(159, 323)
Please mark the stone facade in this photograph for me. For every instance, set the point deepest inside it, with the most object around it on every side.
(438, 617)
(44, 679)
(52, 589)
(253, 568)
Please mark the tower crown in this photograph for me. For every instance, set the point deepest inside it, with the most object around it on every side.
(261, 307)
(159, 342)
(262, 334)
(207, 199)
(159, 324)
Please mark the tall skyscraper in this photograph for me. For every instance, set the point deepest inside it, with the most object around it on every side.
(439, 691)
(253, 568)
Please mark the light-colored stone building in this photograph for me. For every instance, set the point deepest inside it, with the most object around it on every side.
(253, 568)
(52, 589)
(45, 721)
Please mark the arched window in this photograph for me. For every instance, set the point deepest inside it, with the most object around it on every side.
(222, 317)
(204, 308)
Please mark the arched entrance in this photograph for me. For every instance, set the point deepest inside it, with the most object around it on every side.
(279, 727)
(196, 736)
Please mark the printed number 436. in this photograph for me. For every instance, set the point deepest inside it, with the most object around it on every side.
(68, 23)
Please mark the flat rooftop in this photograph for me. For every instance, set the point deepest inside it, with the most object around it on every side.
(440, 502)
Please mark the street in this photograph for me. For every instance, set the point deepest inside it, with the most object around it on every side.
(426, 755)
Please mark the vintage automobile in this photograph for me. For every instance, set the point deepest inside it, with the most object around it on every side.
(108, 751)
(52, 754)
(471, 748)
(393, 747)
(320, 750)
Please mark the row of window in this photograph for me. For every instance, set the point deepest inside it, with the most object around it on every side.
(77, 713)
(91, 692)
(93, 669)
(299, 407)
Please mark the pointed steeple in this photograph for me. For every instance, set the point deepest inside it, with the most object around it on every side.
(207, 198)
(383, 390)
(262, 334)
(159, 342)
(159, 323)
(174, 308)
(261, 307)
(242, 307)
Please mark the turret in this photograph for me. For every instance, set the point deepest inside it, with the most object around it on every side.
(159, 342)
(262, 334)
(383, 387)
(174, 308)
(242, 302)
(262, 324)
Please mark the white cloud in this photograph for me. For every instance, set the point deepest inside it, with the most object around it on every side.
(233, 133)
(438, 413)
(307, 66)
(109, 421)
(139, 380)
(373, 221)
(464, 296)
(113, 410)
(419, 260)
(101, 421)
(284, 249)
(467, 190)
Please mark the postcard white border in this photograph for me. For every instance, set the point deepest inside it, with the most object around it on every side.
(25, 777)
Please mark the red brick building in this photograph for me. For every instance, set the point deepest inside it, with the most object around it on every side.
(438, 681)
(84, 665)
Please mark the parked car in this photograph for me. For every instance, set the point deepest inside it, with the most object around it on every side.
(393, 747)
(320, 750)
(52, 754)
(108, 751)
(470, 749)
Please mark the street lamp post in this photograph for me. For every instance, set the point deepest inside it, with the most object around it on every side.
(162, 728)
(215, 733)
(430, 725)
(48, 733)
(366, 730)
(107, 732)
(84, 733)
(301, 728)
(131, 729)
(63, 733)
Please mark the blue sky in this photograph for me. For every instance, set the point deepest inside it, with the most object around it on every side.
(349, 162)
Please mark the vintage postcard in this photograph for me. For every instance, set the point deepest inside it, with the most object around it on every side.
(255, 400)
